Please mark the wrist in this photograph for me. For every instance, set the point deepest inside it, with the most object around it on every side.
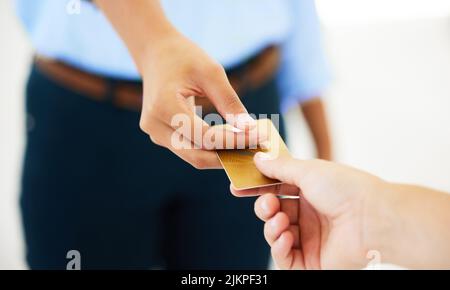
(154, 46)
(324, 153)
(141, 24)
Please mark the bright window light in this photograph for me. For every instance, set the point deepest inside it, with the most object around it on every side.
(349, 11)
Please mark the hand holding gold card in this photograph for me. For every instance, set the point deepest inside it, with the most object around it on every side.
(239, 165)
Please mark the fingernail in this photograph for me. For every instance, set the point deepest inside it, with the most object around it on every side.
(245, 121)
(265, 207)
(234, 129)
(262, 156)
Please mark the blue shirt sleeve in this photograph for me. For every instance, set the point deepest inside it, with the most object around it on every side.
(304, 71)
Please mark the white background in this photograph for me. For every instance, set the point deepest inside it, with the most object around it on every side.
(389, 104)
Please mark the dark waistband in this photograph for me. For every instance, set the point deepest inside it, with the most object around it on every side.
(250, 74)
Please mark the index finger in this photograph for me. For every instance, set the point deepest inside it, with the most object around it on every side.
(279, 189)
(188, 124)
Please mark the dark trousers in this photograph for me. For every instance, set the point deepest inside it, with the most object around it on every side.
(93, 182)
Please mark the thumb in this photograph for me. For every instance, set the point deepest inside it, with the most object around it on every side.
(325, 185)
(222, 95)
(285, 168)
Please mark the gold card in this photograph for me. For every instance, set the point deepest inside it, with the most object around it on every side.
(239, 165)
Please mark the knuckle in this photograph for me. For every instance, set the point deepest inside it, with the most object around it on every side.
(144, 125)
(232, 102)
(155, 108)
(157, 111)
(148, 125)
(151, 111)
(161, 111)
(199, 163)
(216, 69)
(155, 102)
(155, 140)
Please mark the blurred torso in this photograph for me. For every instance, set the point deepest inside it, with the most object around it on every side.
(230, 31)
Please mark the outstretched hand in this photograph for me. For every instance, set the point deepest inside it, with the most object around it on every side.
(326, 225)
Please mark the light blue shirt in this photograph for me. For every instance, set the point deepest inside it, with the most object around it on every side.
(229, 30)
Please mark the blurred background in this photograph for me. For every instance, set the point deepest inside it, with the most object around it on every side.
(389, 103)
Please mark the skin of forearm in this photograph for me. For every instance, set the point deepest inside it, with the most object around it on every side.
(140, 23)
(410, 226)
(315, 115)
